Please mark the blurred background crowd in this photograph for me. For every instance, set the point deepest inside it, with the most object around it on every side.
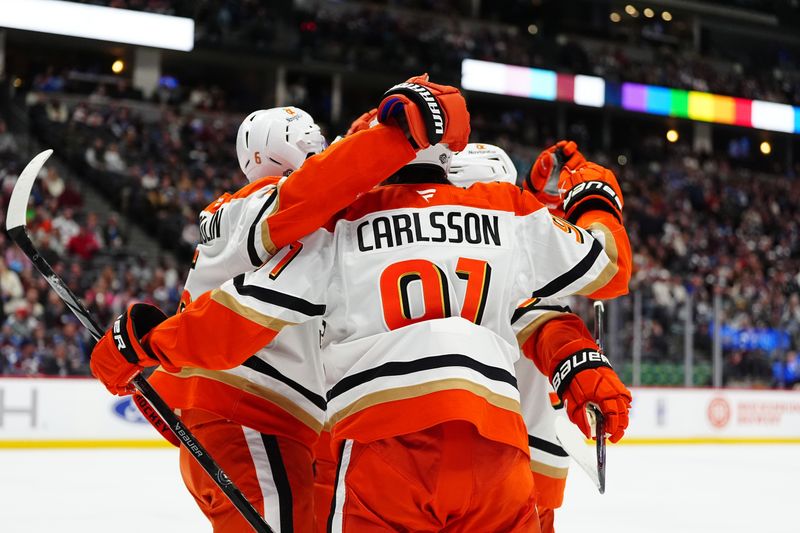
(715, 226)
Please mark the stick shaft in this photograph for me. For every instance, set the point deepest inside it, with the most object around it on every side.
(184, 436)
(600, 429)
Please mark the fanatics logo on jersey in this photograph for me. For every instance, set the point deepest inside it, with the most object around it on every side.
(427, 194)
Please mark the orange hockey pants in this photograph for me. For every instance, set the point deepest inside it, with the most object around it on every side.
(324, 479)
(446, 478)
(274, 473)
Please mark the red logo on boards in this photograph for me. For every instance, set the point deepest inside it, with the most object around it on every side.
(719, 412)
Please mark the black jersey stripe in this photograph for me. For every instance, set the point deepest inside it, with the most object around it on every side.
(546, 446)
(270, 296)
(399, 368)
(522, 311)
(262, 367)
(572, 275)
(255, 259)
(281, 480)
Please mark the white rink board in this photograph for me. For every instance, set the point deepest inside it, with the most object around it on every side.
(57, 409)
(709, 414)
(81, 410)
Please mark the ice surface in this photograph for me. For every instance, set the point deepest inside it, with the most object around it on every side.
(650, 489)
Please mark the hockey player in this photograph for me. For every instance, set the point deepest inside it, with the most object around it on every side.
(261, 418)
(483, 163)
(418, 349)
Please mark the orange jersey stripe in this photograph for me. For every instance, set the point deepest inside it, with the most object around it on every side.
(399, 417)
(207, 334)
(493, 196)
(232, 403)
(244, 192)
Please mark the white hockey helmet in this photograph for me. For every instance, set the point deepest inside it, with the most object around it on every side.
(484, 163)
(275, 142)
(438, 155)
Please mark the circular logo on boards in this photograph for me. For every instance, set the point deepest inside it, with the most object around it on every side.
(126, 410)
(719, 412)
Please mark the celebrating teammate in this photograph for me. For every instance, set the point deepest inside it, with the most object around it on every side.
(418, 350)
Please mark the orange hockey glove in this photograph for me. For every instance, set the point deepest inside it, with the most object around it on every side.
(586, 377)
(119, 356)
(542, 180)
(429, 113)
(363, 122)
(590, 188)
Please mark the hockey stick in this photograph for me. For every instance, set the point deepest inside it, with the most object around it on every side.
(15, 225)
(595, 413)
(571, 438)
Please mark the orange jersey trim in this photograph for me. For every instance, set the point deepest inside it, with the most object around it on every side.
(549, 490)
(492, 196)
(210, 333)
(409, 415)
(232, 403)
(618, 249)
(555, 339)
(244, 192)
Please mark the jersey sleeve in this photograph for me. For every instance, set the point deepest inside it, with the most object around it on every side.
(225, 326)
(241, 231)
(610, 231)
(228, 237)
(330, 181)
(547, 332)
(563, 259)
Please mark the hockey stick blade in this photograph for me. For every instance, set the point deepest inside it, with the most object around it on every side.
(574, 443)
(599, 425)
(15, 224)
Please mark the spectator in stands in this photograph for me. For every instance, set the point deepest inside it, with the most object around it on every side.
(8, 146)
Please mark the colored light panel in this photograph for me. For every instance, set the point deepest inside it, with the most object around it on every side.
(771, 116)
(634, 97)
(659, 100)
(544, 84)
(484, 76)
(744, 111)
(518, 81)
(590, 91)
(565, 87)
(701, 106)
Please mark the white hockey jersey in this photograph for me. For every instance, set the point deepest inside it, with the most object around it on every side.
(418, 285)
(239, 233)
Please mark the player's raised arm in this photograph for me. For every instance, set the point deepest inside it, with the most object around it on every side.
(587, 195)
(413, 115)
(565, 258)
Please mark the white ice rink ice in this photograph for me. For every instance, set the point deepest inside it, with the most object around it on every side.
(650, 489)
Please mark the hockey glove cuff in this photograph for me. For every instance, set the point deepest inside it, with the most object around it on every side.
(590, 188)
(429, 113)
(586, 377)
(119, 355)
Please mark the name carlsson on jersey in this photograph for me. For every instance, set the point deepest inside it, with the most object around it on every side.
(437, 226)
